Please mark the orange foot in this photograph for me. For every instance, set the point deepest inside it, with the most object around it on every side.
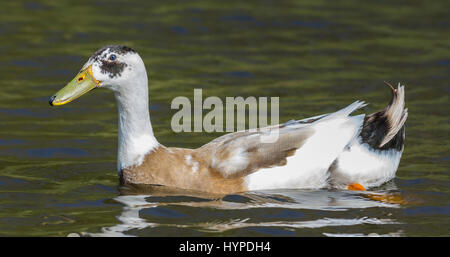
(386, 198)
(356, 187)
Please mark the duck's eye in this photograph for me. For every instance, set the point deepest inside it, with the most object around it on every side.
(112, 57)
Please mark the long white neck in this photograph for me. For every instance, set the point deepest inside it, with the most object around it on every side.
(136, 137)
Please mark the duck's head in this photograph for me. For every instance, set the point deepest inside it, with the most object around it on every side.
(112, 67)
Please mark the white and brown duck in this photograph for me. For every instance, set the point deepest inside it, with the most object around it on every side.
(332, 150)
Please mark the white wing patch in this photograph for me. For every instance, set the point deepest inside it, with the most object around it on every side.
(237, 162)
(190, 162)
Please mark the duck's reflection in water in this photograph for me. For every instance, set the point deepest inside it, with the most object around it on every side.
(137, 198)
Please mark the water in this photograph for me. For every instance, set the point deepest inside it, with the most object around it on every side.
(58, 165)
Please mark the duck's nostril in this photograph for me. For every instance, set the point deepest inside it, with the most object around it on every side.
(50, 101)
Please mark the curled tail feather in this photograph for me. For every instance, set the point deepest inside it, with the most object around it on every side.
(385, 129)
(395, 112)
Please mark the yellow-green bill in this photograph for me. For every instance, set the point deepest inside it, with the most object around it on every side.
(83, 82)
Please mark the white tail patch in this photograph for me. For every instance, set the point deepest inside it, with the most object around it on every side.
(365, 165)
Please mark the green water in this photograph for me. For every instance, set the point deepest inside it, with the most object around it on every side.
(58, 165)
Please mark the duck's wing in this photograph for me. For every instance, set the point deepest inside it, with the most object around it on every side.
(244, 152)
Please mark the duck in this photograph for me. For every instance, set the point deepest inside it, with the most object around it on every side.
(334, 150)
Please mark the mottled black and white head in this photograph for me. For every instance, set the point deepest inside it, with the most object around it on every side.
(118, 68)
